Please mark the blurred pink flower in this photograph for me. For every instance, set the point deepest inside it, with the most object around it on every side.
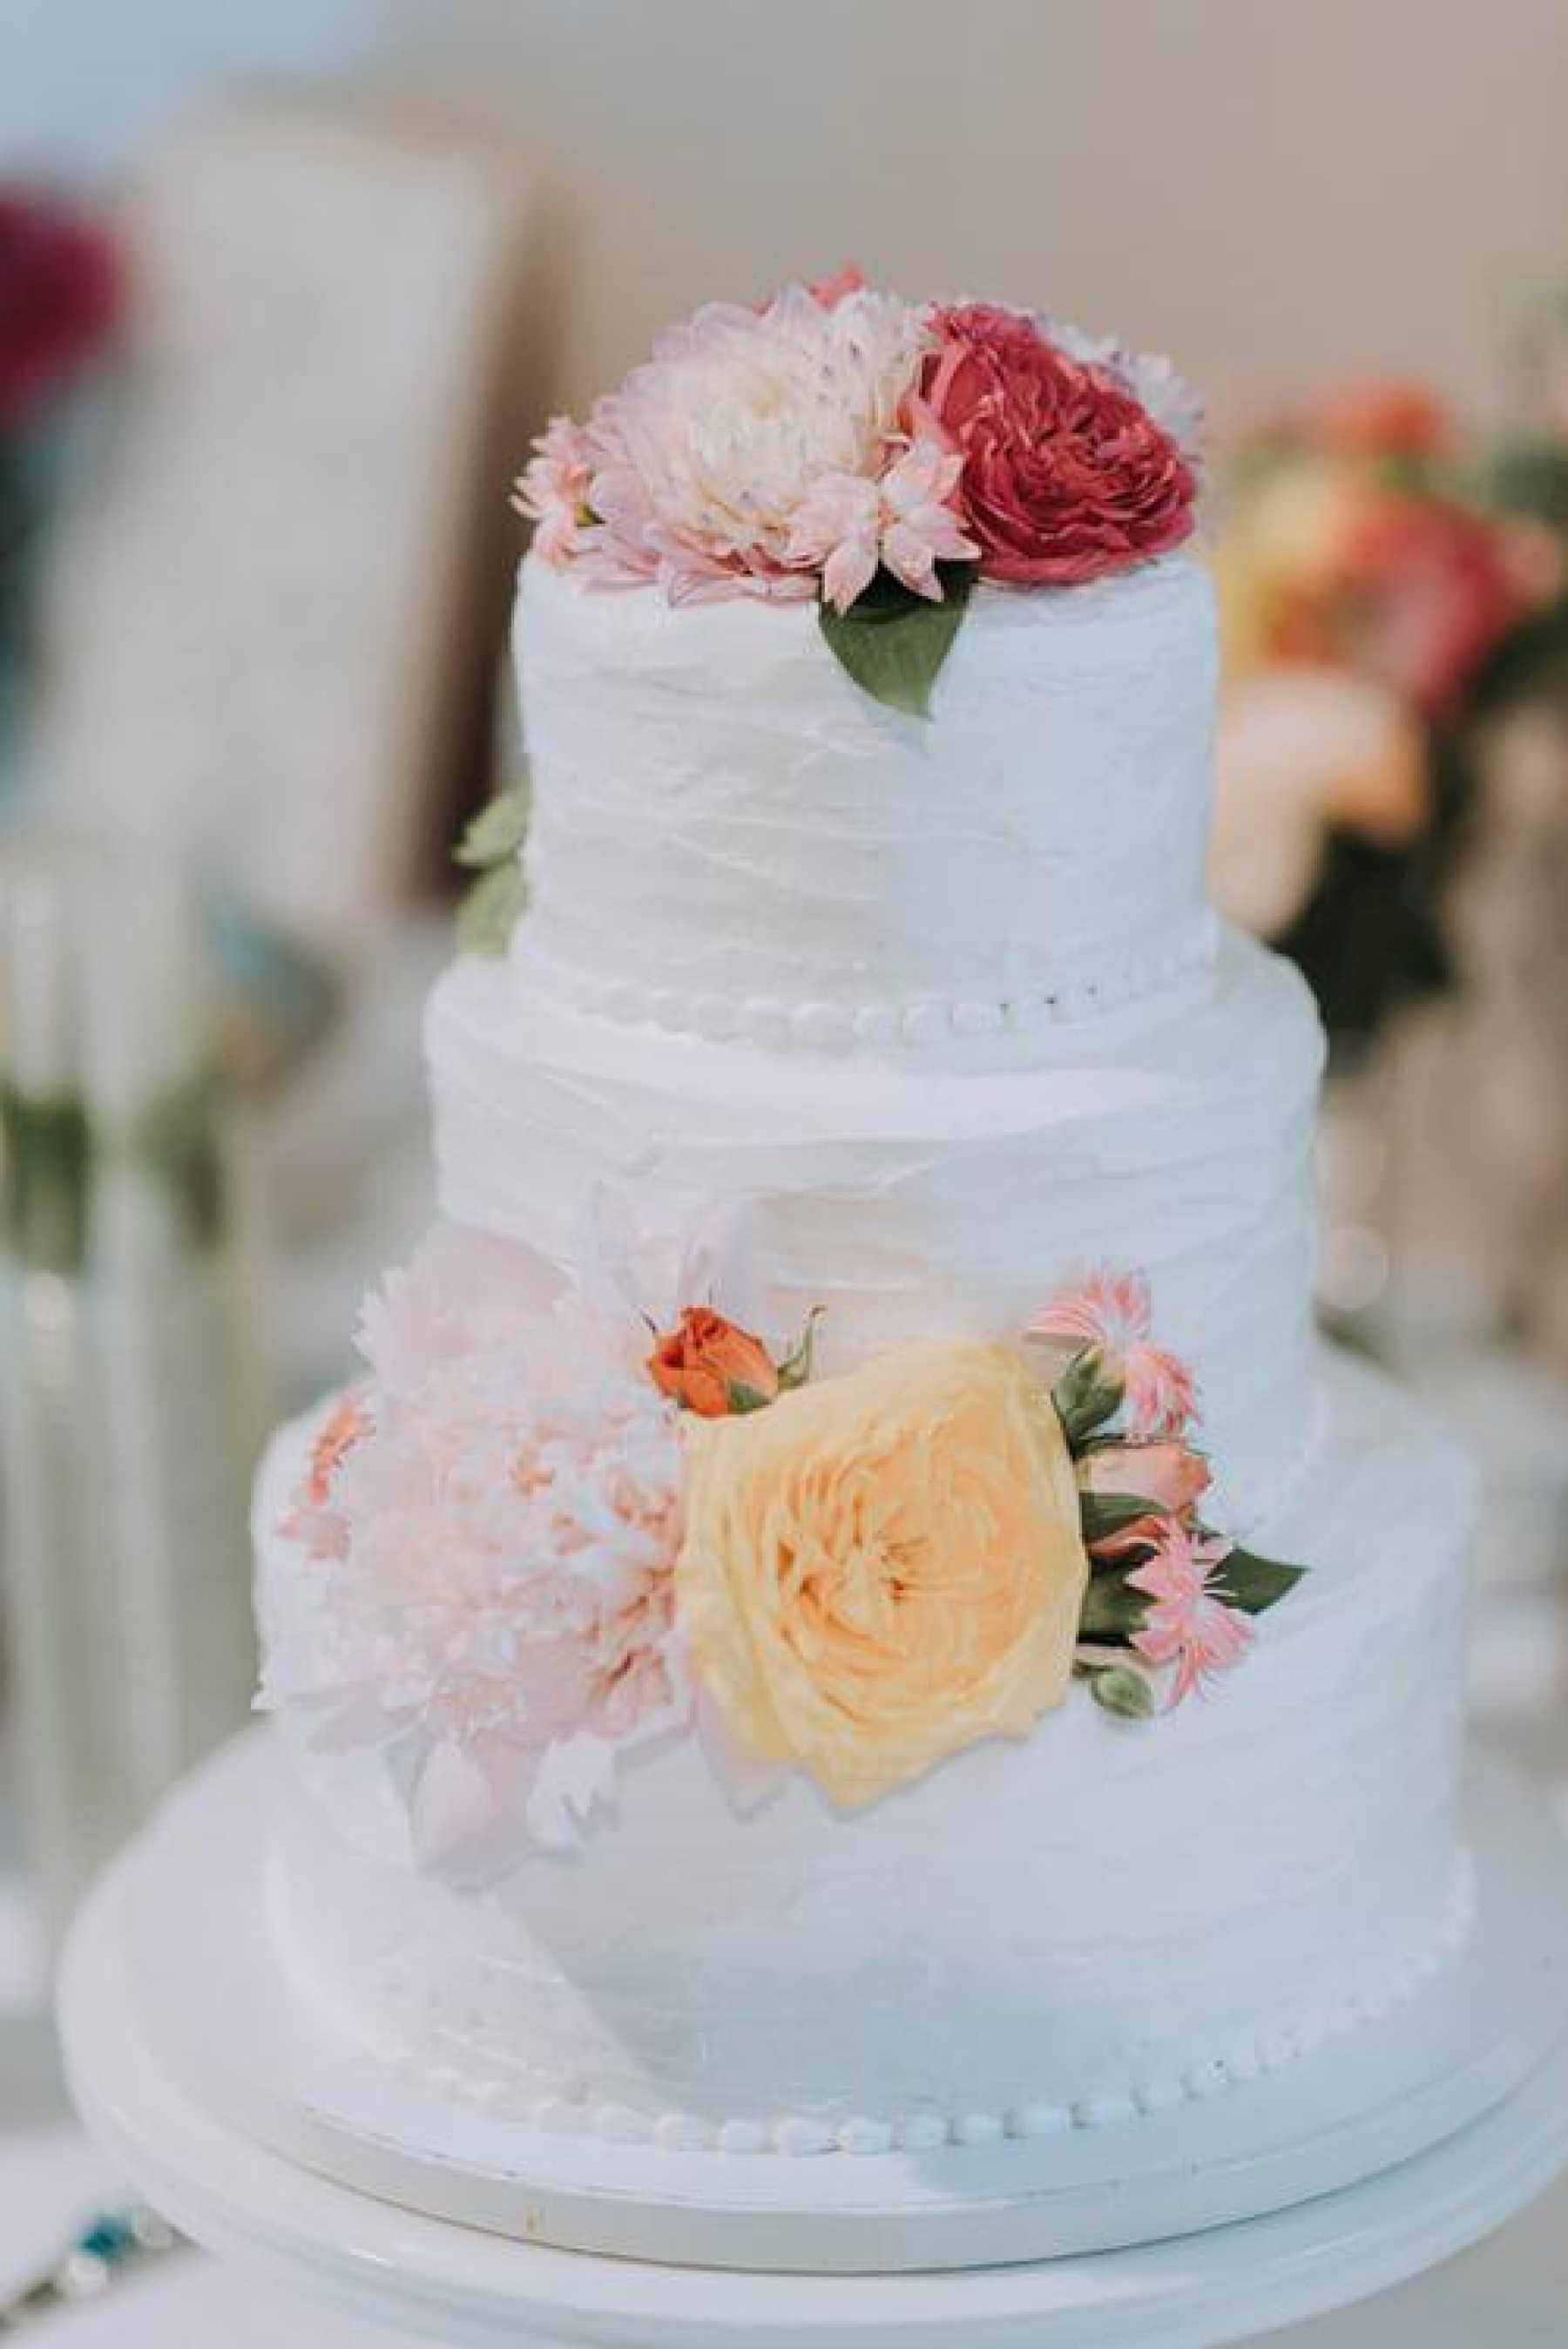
(1383, 416)
(1112, 1312)
(1424, 589)
(1189, 1624)
(847, 525)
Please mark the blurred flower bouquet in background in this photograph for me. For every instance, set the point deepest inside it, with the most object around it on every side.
(1389, 578)
(60, 300)
(1392, 814)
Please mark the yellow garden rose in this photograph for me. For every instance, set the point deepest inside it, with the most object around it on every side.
(880, 1568)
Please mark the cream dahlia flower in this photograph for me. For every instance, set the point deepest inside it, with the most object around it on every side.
(707, 455)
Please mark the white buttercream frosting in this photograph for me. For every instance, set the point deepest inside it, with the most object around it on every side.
(729, 835)
(1078, 1928)
(1018, 1047)
(951, 1197)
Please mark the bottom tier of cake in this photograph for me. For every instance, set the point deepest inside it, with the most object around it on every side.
(1097, 1921)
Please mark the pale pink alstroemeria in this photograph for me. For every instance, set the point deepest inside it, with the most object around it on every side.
(848, 525)
(1112, 1310)
(1189, 1624)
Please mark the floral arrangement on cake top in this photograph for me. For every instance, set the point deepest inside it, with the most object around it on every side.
(876, 456)
(546, 1530)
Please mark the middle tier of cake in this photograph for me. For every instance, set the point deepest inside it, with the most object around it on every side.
(947, 1194)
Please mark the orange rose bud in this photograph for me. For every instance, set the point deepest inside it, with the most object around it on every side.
(711, 1367)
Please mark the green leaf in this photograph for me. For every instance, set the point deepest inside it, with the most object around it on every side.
(1254, 1584)
(743, 1398)
(491, 908)
(796, 1368)
(1123, 1691)
(497, 831)
(1111, 1611)
(1088, 1393)
(893, 642)
(1104, 1514)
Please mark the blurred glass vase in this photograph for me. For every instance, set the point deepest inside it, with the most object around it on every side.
(129, 1365)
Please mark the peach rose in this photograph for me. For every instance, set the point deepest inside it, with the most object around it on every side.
(712, 1367)
(885, 1567)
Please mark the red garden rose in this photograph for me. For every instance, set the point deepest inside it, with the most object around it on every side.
(1066, 475)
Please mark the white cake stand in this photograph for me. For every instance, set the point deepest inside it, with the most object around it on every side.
(200, 1942)
(259, 2134)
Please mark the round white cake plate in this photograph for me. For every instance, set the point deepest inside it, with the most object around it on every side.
(211, 1992)
(469, 2289)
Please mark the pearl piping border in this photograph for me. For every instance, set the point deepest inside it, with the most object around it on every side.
(814, 1026)
(472, 2079)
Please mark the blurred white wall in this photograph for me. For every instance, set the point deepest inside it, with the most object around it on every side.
(1268, 188)
(1264, 187)
(84, 84)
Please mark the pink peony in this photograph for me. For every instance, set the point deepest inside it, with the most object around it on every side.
(1112, 1312)
(1066, 477)
(499, 1526)
(1188, 1624)
(847, 525)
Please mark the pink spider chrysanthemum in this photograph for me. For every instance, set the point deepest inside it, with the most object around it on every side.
(1112, 1310)
(1189, 1624)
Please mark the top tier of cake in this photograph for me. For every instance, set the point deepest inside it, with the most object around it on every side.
(730, 837)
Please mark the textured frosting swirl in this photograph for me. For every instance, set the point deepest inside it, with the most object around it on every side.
(723, 821)
(943, 1197)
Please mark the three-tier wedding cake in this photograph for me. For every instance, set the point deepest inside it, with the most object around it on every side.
(849, 1610)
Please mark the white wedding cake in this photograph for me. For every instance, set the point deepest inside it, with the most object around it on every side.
(850, 1610)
